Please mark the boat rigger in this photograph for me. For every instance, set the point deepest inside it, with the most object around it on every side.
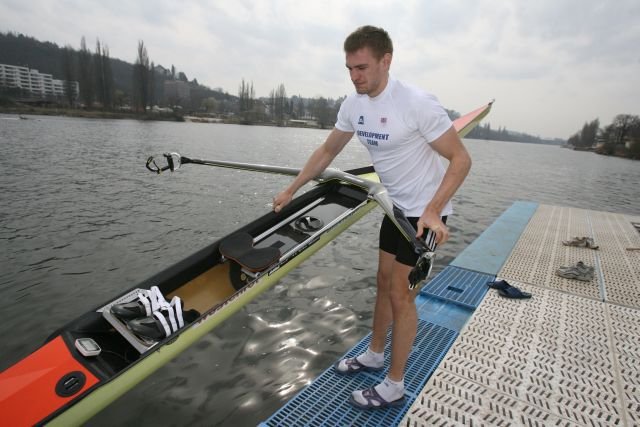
(91, 361)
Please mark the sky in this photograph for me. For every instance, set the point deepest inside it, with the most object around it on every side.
(550, 65)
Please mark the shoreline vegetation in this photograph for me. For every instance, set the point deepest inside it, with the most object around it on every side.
(630, 150)
(621, 138)
(24, 111)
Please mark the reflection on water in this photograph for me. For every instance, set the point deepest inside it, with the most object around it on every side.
(83, 220)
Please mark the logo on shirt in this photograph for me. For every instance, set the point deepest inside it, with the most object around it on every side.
(372, 138)
(361, 120)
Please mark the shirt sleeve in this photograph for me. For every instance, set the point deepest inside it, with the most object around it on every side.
(433, 120)
(344, 123)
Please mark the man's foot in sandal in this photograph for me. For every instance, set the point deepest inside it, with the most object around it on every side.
(367, 361)
(386, 394)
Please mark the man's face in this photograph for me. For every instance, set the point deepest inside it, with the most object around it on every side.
(368, 74)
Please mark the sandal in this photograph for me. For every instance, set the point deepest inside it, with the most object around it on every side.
(353, 366)
(374, 400)
(506, 290)
(514, 293)
(499, 284)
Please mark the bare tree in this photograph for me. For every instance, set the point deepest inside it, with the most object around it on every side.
(69, 73)
(280, 101)
(141, 79)
(152, 85)
(107, 74)
(84, 74)
(246, 98)
(587, 136)
(102, 76)
(324, 114)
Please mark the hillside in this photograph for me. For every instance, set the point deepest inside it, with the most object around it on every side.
(47, 57)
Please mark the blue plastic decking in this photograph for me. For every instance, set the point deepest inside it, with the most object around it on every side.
(444, 306)
(458, 286)
(325, 402)
(488, 253)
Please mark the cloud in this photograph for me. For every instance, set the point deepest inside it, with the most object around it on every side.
(551, 65)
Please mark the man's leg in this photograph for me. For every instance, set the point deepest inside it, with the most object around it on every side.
(405, 320)
(397, 300)
(382, 313)
(373, 357)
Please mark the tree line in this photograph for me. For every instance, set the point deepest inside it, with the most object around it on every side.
(281, 110)
(95, 77)
(485, 131)
(93, 73)
(621, 137)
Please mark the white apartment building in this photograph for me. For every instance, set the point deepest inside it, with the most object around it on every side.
(38, 84)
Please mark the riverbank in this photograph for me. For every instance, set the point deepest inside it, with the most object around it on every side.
(22, 111)
(88, 114)
(623, 151)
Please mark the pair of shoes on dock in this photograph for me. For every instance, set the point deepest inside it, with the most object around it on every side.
(581, 242)
(507, 291)
(580, 271)
(151, 316)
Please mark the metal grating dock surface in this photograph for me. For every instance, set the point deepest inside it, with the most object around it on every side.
(325, 402)
(568, 356)
(459, 286)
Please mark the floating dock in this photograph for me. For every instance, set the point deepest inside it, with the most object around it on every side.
(568, 356)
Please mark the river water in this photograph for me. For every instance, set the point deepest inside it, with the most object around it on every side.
(83, 220)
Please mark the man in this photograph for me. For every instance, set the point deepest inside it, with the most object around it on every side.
(405, 130)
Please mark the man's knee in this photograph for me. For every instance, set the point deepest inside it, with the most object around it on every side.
(384, 279)
(400, 295)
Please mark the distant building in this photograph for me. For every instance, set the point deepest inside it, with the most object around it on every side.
(36, 84)
(177, 92)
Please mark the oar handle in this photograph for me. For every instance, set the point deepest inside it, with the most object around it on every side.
(153, 166)
(174, 160)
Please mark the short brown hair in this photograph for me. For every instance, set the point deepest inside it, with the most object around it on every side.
(374, 38)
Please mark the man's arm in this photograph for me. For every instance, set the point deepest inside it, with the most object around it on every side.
(449, 146)
(317, 163)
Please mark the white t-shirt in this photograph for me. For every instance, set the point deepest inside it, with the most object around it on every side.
(397, 127)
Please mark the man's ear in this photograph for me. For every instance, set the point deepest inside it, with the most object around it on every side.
(386, 60)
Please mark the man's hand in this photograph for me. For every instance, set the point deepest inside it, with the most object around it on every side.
(434, 223)
(281, 200)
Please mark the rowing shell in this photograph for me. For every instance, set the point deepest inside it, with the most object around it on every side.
(57, 385)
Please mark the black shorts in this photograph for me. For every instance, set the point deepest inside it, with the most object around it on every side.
(392, 241)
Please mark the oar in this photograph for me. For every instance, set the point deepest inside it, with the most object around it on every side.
(375, 191)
